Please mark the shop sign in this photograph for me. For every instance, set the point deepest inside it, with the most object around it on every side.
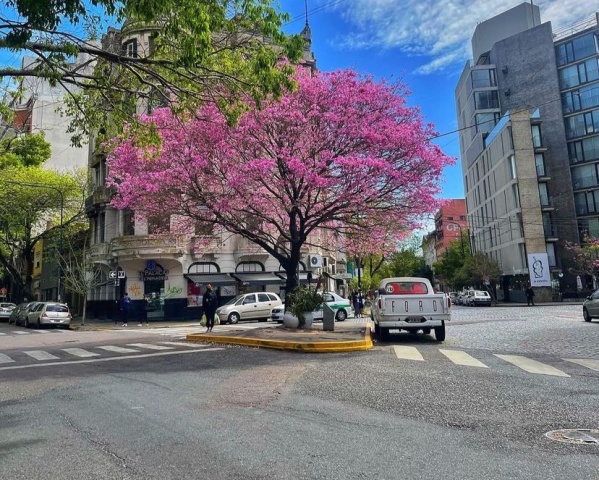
(153, 271)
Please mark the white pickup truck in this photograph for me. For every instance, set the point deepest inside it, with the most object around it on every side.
(411, 304)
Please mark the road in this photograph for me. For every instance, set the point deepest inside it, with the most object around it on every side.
(477, 406)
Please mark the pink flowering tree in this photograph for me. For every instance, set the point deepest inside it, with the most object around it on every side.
(585, 257)
(341, 156)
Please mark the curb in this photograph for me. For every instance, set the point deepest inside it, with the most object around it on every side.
(306, 347)
(118, 327)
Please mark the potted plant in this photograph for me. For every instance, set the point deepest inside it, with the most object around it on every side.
(301, 303)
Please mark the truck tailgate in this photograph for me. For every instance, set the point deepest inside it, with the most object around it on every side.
(414, 305)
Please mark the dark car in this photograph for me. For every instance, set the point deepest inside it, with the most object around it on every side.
(19, 314)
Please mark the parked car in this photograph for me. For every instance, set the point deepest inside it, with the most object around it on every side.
(467, 298)
(480, 298)
(453, 296)
(48, 313)
(249, 306)
(6, 309)
(340, 305)
(276, 314)
(461, 300)
(590, 307)
(19, 314)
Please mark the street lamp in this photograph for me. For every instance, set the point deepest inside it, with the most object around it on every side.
(50, 187)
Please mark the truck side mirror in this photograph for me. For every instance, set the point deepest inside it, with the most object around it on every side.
(382, 291)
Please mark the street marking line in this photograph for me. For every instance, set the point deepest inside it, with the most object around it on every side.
(408, 353)
(462, 358)
(5, 359)
(592, 364)
(114, 348)
(40, 355)
(532, 366)
(2, 333)
(41, 331)
(80, 352)
(149, 346)
(22, 333)
(184, 344)
(110, 359)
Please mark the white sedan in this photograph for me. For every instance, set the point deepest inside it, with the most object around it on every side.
(341, 307)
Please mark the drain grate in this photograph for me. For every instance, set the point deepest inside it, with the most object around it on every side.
(577, 436)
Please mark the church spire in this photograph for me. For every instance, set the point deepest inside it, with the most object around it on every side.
(306, 32)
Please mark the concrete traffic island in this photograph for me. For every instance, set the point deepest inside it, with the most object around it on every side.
(350, 337)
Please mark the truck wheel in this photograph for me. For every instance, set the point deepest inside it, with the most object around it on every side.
(376, 328)
(440, 333)
(383, 334)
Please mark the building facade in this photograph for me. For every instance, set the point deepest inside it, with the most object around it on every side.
(527, 144)
(133, 254)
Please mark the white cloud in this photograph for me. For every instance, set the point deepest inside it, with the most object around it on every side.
(437, 30)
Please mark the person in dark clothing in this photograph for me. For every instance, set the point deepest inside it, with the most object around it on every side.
(209, 305)
(144, 311)
(125, 308)
(530, 296)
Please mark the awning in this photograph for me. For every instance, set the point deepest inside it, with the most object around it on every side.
(215, 279)
(258, 278)
(303, 277)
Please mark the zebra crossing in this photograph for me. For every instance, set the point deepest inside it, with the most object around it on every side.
(526, 364)
(31, 332)
(182, 332)
(97, 352)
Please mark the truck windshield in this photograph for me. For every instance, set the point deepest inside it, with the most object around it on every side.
(406, 288)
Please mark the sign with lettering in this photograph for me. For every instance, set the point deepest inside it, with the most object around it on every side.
(538, 270)
(155, 273)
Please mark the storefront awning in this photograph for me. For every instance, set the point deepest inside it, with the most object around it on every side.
(303, 277)
(215, 279)
(258, 278)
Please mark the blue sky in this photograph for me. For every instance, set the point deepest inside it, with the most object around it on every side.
(426, 43)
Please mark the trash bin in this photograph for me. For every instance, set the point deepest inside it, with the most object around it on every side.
(328, 318)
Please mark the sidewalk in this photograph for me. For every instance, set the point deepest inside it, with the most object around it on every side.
(347, 337)
(97, 324)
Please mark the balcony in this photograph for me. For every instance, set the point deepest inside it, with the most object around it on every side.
(206, 244)
(244, 248)
(143, 246)
(99, 251)
(102, 194)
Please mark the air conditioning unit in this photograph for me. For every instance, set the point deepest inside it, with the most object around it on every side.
(315, 261)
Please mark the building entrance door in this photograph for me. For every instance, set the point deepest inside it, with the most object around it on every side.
(154, 291)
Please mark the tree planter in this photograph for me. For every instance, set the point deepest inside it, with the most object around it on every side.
(290, 320)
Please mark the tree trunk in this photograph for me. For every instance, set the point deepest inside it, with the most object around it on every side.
(84, 309)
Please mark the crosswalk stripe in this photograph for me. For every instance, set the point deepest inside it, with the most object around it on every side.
(41, 355)
(41, 331)
(2, 333)
(114, 348)
(462, 358)
(149, 346)
(22, 333)
(532, 366)
(80, 352)
(592, 364)
(5, 358)
(185, 344)
(408, 353)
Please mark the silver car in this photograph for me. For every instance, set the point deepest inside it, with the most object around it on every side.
(49, 313)
(6, 309)
(590, 307)
(249, 306)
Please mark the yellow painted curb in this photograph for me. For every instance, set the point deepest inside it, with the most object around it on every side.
(309, 347)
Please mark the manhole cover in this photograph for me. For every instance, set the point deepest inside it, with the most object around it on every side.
(578, 436)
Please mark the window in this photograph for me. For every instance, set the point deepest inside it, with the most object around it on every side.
(582, 99)
(130, 49)
(262, 297)
(540, 164)
(128, 222)
(536, 136)
(485, 122)
(551, 254)
(486, 100)
(584, 176)
(249, 300)
(100, 227)
(272, 297)
(204, 228)
(577, 49)
(588, 226)
(516, 195)
(449, 218)
(547, 224)
(483, 78)
(512, 163)
(543, 194)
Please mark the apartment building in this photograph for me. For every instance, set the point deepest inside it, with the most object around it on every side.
(135, 255)
(528, 111)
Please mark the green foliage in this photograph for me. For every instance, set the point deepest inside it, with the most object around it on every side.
(221, 51)
(28, 150)
(303, 300)
(453, 261)
(480, 269)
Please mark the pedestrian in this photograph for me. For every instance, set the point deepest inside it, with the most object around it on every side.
(209, 306)
(145, 306)
(125, 308)
(361, 302)
(356, 304)
(530, 296)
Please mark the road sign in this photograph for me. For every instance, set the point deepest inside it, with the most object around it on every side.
(112, 274)
(121, 273)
